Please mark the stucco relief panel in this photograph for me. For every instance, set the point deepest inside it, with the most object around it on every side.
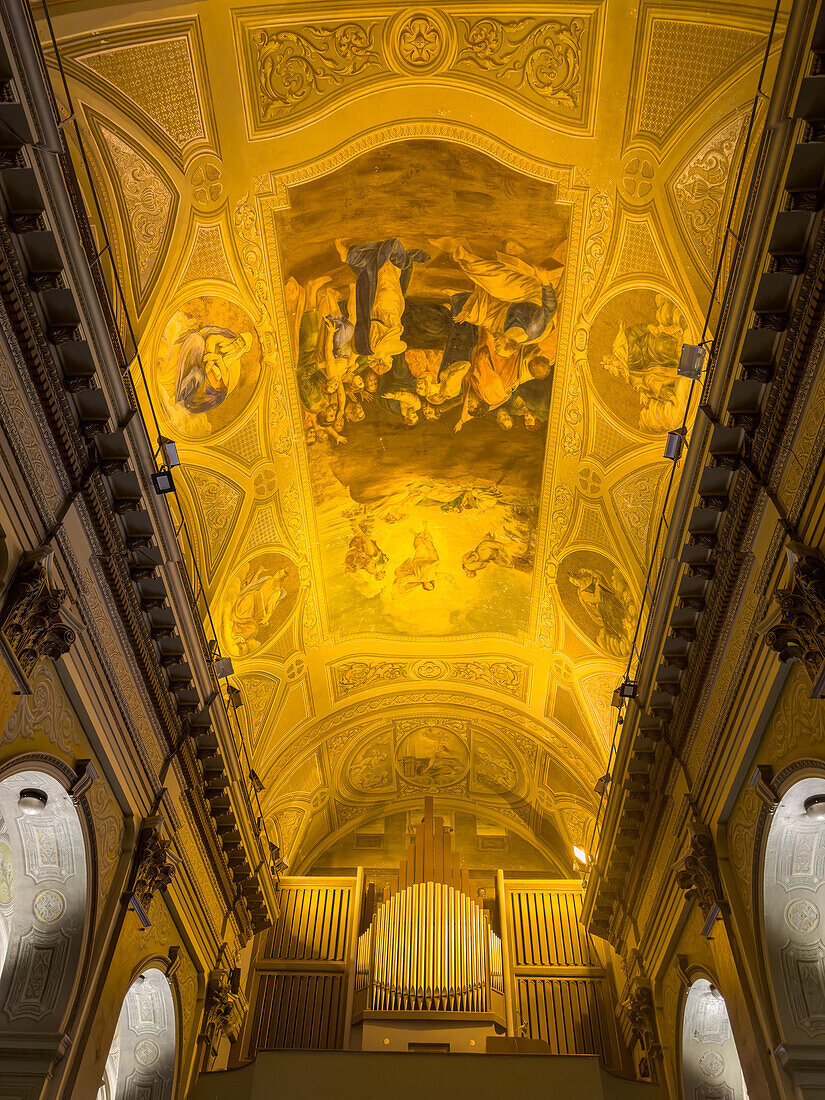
(292, 71)
(39, 970)
(804, 969)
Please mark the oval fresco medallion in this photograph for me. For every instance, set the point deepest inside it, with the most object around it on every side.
(633, 351)
(258, 601)
(371, 768)
(208, 365)
(598, 599)
(493, 767)
(432, 756)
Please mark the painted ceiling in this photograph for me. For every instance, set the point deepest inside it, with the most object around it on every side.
(411, 286)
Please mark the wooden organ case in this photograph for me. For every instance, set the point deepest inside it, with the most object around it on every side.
(429, 966)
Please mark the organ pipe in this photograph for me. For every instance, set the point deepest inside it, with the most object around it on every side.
(434, 951)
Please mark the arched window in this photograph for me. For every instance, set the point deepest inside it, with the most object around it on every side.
(141, 1061)
(42, 904)
(793, 905)
(710, 1063)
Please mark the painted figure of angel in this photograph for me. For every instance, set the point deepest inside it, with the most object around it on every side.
(365, 553)
(208, 366)
(513, 300)
(646, 357)
(421, 568)
(383, 272)
(495, 551)
(252, 604)
(609, 605)
(443, 387)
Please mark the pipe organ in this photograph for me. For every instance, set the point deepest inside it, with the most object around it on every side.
(430, 948)
(429, 966)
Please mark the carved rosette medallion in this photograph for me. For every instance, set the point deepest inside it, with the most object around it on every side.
(802, 915)
(420, 42)
(207, 185)
(429, 669)
(147, 1052)
(712, 1064)
(638, 176)
(49, 906)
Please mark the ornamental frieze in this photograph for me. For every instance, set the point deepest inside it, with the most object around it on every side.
(295, 70)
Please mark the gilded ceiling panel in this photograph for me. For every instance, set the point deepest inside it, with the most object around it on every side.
(219, 501)
(638, 501)
(207, 261)
(685, 61)
(414, 288)
(259, 691)
(407, 539)
(147, 201)
(700, 189)
(363, 673)
(294, 69)
(154, 72)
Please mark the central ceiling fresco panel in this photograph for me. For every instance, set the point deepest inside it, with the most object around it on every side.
(423, 283)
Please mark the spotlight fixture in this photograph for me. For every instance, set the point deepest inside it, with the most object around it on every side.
(235, 697)
(600, 785)
(692, 361)
(674, 444)
(256, 781)
(32, 800)
(628, 689)
(580, 854)
(223, 667)
(815, 807)
(616, 700)
(163, 483)
(170, 451)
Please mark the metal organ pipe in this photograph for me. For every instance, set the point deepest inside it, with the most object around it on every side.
(433, 951)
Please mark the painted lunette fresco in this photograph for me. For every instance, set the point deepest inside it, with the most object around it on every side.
(423, 283)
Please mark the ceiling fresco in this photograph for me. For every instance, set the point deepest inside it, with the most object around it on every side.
(411, 287)
(425, 465)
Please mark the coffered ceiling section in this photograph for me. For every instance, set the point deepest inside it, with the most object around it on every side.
(411, 287)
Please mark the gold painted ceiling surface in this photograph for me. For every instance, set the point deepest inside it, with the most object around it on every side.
(411, 285)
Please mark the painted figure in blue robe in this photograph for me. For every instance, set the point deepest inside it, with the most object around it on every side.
(383, 276)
